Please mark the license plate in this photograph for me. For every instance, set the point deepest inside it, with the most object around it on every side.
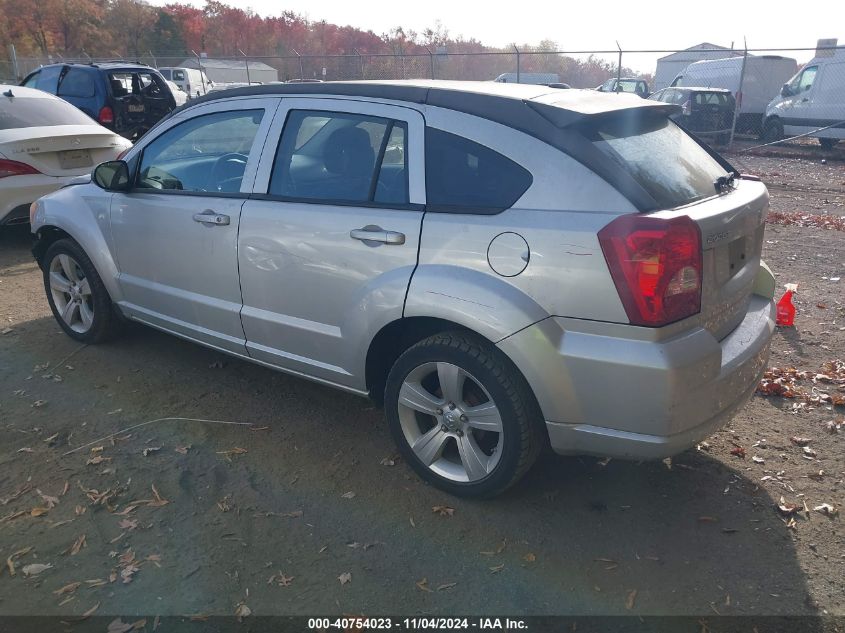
(75, 158)
(136, 108)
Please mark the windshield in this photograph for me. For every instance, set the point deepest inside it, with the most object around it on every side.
(19, 112)
(661, 157)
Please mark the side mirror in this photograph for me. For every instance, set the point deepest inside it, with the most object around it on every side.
(112, 176)
(785, 92)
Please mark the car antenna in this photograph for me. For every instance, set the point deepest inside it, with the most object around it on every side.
(8, 93)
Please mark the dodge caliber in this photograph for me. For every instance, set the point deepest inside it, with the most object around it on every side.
(503, 267)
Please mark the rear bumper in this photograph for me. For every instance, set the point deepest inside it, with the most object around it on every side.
(18, 192)
(605, 394)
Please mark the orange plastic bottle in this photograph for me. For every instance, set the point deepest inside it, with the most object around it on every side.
(786, 311)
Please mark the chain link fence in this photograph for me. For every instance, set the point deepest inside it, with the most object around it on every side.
(758, 108)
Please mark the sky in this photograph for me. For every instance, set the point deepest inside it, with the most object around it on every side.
(592, 25)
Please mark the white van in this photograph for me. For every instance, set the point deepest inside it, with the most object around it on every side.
(763, 78)
(192, 81)
(540, 79)
(814, 98)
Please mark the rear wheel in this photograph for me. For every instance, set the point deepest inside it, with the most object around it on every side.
(76, 294)
(462, 415)
(772, 131)
(828, 143)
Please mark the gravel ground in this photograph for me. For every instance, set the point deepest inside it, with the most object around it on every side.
(293, 502)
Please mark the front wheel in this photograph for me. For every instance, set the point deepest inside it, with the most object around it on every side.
(462, 415)
(77, 296)
(772, 131)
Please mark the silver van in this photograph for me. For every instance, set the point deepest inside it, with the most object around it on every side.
(192, 81)
(504, 267)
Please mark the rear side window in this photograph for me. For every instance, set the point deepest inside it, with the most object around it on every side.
(77, 83)
(334, 156)
(17, 112)
(660, 156)
(48, 79)
(462, 176)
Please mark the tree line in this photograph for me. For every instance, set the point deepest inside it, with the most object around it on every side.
(133, 29)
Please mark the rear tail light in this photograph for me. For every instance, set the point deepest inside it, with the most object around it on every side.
(14, 168)
(656, 267)
(686, 109)
(106, 115)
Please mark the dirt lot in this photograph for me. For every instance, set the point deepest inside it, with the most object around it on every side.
(273, 508)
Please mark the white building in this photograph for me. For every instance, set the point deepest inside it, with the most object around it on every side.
(225, 71)
(670, 65)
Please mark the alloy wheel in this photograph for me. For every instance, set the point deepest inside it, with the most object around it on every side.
(71, 293)
(450, 422)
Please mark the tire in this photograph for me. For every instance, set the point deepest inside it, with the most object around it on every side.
(493, 433)
(772, 131)
(70, 278)
(828, 143)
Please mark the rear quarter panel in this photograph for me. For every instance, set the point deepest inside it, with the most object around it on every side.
(558, 216)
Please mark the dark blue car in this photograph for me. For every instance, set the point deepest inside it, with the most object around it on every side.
(125, 97)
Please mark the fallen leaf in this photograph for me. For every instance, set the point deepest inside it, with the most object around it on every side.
(758, 460)
(39, 403)
(739, 451)
(10, 561)
(35, 569)
(809, 452)
(497, 568)
(159, 500)
(389, 461)
(127, 524)
(37, 512)
(97, 459)
(49, 500)
(826, 509)
(182, 450)
(78, 544)
(529, 558)
(444, 511)
(25, 449)
(411, 520)
(119, 626)
(70, 588)
(631, 599)
(447, 585)
(150, 449)
(787, 509)
(232, 451)
(91, 611)
(422, 585)
(51, 439)
(348, 495)
(345, 578)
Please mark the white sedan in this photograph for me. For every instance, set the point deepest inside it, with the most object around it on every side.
(44, 143)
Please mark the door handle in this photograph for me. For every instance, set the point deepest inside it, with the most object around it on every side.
(210, 218)
(377, 235)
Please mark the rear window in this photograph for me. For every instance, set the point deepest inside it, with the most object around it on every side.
(465, 177)
(660, 156)
(19, 112)
(712, 98)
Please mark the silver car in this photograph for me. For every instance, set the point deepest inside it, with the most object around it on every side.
(504, 267)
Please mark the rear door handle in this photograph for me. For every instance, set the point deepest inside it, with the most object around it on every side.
(377, 235)
(210, 218)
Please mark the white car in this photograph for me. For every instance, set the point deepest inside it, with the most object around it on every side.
(44, 143)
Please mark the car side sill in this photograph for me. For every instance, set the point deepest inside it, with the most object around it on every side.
(285, 370)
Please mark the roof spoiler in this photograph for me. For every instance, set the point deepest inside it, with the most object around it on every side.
(566, 112)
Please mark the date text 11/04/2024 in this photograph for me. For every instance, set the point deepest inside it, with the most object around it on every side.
(413, 624)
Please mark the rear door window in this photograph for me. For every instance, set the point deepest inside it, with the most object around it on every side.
(341, 157)
(660, 156)
(77, 82)
(462, 176)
